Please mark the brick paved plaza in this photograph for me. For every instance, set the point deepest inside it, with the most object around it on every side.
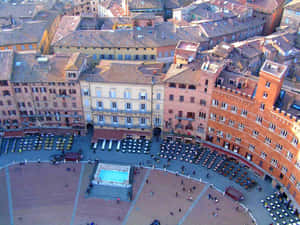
(45, 194)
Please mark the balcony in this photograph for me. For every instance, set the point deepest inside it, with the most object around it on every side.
(184, 118)
(117, 125)
(121, 111)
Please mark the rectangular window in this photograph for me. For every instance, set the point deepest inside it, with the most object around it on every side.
(244, 113)
(143, 121)
(284, 170)
(181, 98)
(233, 109)
(213, 116)
(98, 92)
(114, 105)
(114, 119)
(278, 147)
(259, 119)
(202, 102)
(171, 97)
(268, 140)
(127, 94)
(101, 118)
(228, 136)
(157, 107)
(231, 123)
(215, 102)
(283, 133)
(128, 106)
(192, 99)
(251, 147)
(158, 96)
(238, 140)
(263, 155)
(255, 133)
(292, 178)
(143, 107)
(262, 107)
(85, 92)
(241, 126)
(112, 93)
(211, 130)
(224, 105)
(128, 120)
(272, 127)
(220, 133)
(143, 95)
(99, 105)
(274, 163)
(289, 155)
(268, 84)
(222, 119)
(295, 141)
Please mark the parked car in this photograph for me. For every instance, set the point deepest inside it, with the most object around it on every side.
(73, 156)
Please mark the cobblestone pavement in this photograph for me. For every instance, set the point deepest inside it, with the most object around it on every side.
(33, 180)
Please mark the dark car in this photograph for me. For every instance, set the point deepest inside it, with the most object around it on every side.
(57, 157)
(155, 222)
(73, 156)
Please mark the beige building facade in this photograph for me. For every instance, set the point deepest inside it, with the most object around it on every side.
(123, 97)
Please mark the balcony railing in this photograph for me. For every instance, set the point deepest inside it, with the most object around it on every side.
(184, 118)
(121, 111)
(117, 125)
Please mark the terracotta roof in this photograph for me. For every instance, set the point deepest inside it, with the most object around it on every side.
(75, 62)
(173, 4)
(18, 10)
(6, 64)
(67, 25)
(28, 69)
(132, 72)
(231, 80)
(191, 73)
(145, 4)
(161, 35)
(26, 33)
(224, 27)
(266, 6)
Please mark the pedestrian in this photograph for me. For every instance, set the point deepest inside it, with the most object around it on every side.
(194, 172)
(209, 196)
(119, 218)
(171, 213)
(182, 182)
(183, 189)
(179, 209)
(147, 181)
(176, 194)
(207, 175)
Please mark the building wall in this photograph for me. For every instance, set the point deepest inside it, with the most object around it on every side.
(42, 105)
(9, 116)
(111, 53)
(95, 92)
(195, 101)
(21, 47)
(250, 140)
(290, 18)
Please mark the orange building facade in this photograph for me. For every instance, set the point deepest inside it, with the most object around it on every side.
(250, 126)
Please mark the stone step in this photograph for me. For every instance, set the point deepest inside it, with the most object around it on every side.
(110, 192)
